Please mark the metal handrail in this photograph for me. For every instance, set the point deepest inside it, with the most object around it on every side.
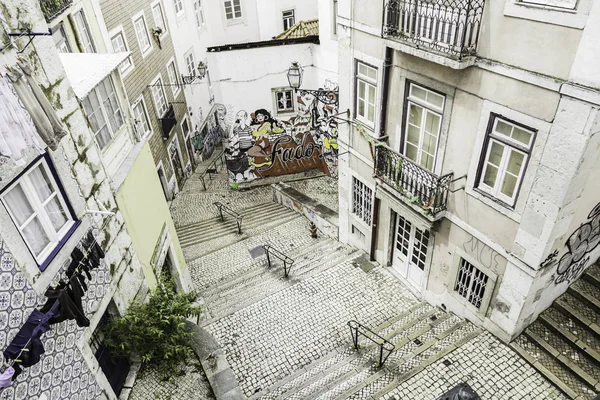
(287, 261)
(212, 166)
(238, 216)
(384, 344)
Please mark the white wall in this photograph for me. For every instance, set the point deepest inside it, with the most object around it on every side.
(270, 14)
(326, 54)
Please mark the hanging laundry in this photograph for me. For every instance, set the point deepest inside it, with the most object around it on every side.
(17, 131)
(6, 377)
(27, 345)
(33, 107)
(57, 125)
(69, 301)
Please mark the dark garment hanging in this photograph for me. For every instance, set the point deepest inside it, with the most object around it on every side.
(92, 244)
(69, 299)
(27, 345)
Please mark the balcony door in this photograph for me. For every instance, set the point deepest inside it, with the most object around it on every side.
(410, 251)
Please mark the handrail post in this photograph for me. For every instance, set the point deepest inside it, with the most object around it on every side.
(285, 272)
(268, 257)
(239, 225)
(355, 338)
(220, 207)
(203, 183)
(380, 355)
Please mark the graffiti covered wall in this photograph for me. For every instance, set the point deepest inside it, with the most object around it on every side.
(261, 146)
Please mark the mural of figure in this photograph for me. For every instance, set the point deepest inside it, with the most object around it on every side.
(259, 153)
(243, 131)
(265, 124)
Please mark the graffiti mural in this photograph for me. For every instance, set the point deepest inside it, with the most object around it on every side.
(260, 145)
(581, 242)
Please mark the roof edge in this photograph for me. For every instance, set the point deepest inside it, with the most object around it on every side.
(265, 43)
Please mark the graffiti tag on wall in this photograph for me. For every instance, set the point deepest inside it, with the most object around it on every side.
(261, 146)
(484, 254)
(581, 242)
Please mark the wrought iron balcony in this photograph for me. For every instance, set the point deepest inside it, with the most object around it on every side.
(168, 121)
(51, 8)
(417, 185)
(450, 27)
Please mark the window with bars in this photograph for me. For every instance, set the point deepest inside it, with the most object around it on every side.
(470, 283)
(289, 19)
(361, 200)
(103, 111)
(233, 9)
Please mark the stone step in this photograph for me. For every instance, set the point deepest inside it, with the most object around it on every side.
(297, 254)
(587, 293)
(258, 293)
(274, 277)
(569, 304)
(573, 331)
(571, 358)
(592, 275)
(324, 366)
(551, 368)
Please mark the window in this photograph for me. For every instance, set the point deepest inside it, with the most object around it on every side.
(233, 9)
(334, 16)
(60, 39)
(141, 31)
(361, 200)
(190, 64)
(289, 19)
(422, 125)
(199, 12)
(119, 46)
(507, 150)
(172, 72)
(103, 112)
(140, 115)
(83, 31)
(366, 88)
(39, 210)
(159, 97)
(470, 283)
(284, 100)
(159, 18)
(178, 4)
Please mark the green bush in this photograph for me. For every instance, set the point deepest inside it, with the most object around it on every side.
(154, 331)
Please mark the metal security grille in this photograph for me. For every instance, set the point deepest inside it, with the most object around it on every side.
(471, 283)
(361, 200)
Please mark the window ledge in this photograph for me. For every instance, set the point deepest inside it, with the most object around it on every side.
(429, 55)
(237, 21)
(485, 198)
(547, 14)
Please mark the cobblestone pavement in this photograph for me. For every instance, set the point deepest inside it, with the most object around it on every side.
(190, 385)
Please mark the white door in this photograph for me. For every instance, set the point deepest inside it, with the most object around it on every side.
(410, 251)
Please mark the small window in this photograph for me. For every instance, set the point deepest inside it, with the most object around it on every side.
(334, 17)
(233, 9)
(83, 31)
(103, 112)
(119, 46)
(178, 4)
(40, 211)
(141, 121)
(141, 31)
(366, 90)
(361, 200)
(289, 19)
(284, 100)
(190, 64)
(470, 283)
(159, 97)
(199, 12)
(173, 80)
(507, 150)
(60, 39)
(159, 18)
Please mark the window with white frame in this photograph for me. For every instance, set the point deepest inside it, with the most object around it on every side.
(103, 111)
(39, 210)
(172, 72)
(289, 19)
(199, 13)
(190, 64)
(470, 283)
(284, 100)
(362, 196)
(366, 90)
(140, 118)
(159, 97)
(233, 9)
(119, 46)
(422, 125)
(141, 32)
(507, 149)
(60, 39)
(568, 4)
(83, 31)
(178, 5)
(159, 18)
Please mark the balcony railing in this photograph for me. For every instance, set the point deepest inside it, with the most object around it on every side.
(168, 121)
(51, 8)
(417, 185)
(450, 27)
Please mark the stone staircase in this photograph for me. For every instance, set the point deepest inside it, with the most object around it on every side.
(564, 342)
(421, 336)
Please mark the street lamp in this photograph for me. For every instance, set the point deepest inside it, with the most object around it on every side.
(189, 79)
(294, 76)
(202, 70)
